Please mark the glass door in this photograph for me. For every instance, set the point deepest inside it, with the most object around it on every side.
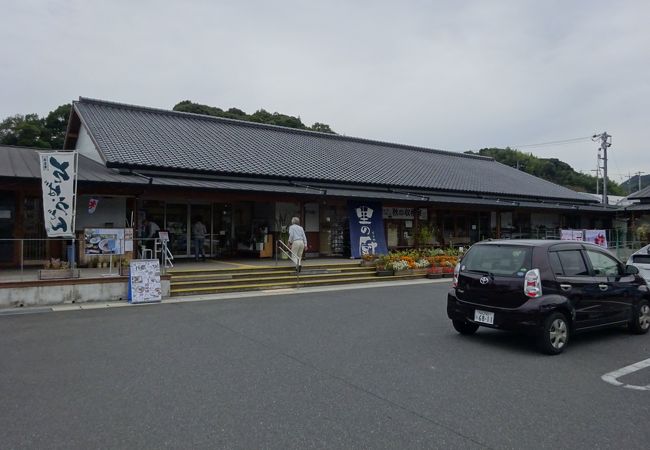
(176, 223)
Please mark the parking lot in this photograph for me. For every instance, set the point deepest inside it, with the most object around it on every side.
(363, 368)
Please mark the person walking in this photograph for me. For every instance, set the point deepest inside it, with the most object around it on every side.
(199, 231)
(297, 242)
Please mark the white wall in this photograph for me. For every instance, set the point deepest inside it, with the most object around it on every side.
(86, 147)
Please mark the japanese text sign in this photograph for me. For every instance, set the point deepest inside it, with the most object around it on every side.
(59, 182)
(366, 229)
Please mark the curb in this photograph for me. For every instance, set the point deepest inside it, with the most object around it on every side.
(202, 298)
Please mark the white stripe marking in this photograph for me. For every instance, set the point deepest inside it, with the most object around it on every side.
(612, 377)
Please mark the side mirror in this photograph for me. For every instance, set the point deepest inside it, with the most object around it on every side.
(631, 270)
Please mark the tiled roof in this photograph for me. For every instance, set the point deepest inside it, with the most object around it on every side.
(643, 193)
(22, 162)
(139, 137)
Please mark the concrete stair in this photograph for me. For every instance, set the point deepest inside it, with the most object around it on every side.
(211, 281)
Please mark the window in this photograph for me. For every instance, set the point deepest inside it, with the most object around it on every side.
(603, 265)
(572, 263)
(641, 259)
(498, 259)
(556, 265)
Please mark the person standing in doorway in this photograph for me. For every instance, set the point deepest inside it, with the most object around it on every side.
(199, 231)
(151, 230)
(297, 242)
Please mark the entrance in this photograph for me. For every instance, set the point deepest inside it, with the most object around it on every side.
(7, 219)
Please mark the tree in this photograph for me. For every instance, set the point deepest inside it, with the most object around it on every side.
(550, 169)
(259, 116)
(32, 131)
(322, 128)
(56, 123)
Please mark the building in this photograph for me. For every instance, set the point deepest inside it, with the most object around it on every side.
(246, 180)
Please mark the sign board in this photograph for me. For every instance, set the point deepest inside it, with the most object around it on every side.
(128, 239)
(403, 213)
(104, 241)
(144, 281)
(59, 184)
(571, 235)
(598, 237)
(366, 229)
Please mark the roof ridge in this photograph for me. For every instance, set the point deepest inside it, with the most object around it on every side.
(246, 123)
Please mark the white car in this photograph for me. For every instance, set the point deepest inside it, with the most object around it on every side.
(641, 260)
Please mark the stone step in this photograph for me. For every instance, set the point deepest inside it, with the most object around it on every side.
(279, 277)
(285, 285)
(263, 273)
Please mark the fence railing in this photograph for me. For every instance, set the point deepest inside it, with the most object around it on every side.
(18, 262)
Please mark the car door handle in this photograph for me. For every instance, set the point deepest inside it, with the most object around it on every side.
(603, 287)
(565, 287)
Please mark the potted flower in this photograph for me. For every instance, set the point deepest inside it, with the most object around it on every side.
(55, 269)
(434, 272)
(369, 260)
(383, 265)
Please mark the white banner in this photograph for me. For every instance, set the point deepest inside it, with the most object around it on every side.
(59, 183)
(571, 235)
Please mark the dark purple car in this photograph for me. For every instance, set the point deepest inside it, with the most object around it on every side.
(550, 289)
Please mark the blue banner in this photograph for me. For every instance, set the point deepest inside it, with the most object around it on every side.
(366, 229)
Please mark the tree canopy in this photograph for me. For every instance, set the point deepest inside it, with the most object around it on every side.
(30, 130)
(550, 169)
(259, 116)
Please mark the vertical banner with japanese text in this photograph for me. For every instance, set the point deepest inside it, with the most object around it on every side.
(366, 229)
(59, 183)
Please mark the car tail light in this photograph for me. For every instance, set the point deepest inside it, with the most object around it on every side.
(533, 284)
(456, 273)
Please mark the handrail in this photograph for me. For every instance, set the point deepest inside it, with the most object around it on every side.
(284, 248)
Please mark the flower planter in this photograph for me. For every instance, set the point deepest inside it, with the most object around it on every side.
(385, 272)
(404, 272)
(420, 271)
(434, 276)
(57, 274)
(368, 263)
(448, 275)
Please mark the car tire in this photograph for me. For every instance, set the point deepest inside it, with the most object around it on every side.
(640, 323)
(464, 327)
(555, 334)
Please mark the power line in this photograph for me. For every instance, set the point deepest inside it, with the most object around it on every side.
(564, 141)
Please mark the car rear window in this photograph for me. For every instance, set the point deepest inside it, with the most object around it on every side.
(641, 259)
(498, 259)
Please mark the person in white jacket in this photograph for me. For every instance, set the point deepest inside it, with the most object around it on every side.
(297, 242)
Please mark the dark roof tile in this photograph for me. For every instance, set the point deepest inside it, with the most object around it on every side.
(133, 136)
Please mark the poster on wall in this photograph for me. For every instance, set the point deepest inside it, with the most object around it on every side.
(598, 237)
(571, 235)
(104, 241)
(59, 185)
(144, 281)
(366, 229)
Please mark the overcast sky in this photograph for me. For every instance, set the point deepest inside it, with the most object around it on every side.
(455, 75)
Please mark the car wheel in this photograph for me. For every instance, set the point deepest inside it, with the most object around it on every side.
(640, 323)
(464, 327)
(555, 334)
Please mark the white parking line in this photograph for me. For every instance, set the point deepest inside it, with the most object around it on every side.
(612, 377)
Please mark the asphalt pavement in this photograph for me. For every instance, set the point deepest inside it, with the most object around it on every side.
(366, 368)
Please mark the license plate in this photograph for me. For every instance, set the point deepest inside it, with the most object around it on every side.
(484, 317)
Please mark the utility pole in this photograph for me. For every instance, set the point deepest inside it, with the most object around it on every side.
(638, 174)
(605, 142)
